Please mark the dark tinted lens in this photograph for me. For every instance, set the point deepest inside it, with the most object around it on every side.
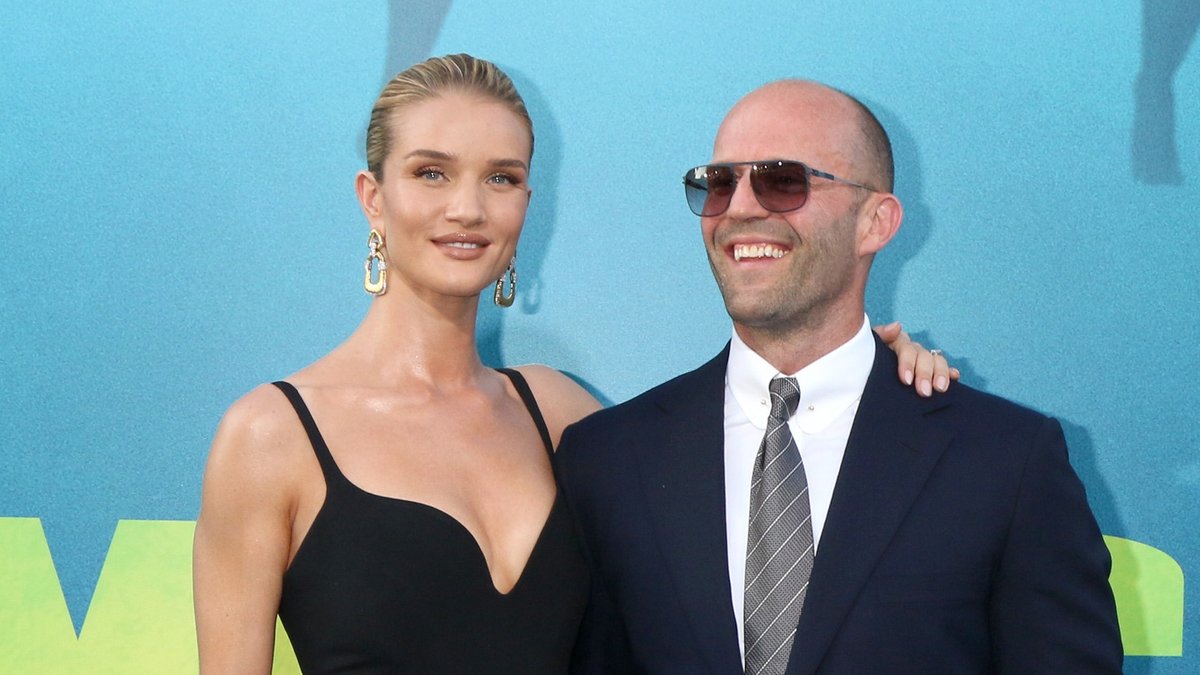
(780, 186)
(709, 189)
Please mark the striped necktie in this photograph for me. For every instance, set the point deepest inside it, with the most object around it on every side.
(779, 548)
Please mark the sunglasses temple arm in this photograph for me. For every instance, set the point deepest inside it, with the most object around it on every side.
(829, 176)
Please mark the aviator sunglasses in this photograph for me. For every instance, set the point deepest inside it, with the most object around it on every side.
(779, 185)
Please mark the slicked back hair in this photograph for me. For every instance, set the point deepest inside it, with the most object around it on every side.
(430, 79)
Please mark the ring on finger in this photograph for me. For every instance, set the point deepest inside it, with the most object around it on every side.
(935, 352)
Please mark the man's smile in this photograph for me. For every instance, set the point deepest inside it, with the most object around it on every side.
(758, 250)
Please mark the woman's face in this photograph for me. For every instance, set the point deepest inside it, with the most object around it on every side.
(453, 195)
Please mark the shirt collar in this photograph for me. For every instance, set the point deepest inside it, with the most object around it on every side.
(828, 386)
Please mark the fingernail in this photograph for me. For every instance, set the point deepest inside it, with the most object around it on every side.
(942, 382)
(908, 375)
(924, 388)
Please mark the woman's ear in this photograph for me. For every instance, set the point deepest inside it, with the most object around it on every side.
(370, 197)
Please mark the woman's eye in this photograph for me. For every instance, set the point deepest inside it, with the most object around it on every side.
(504, 179)
(429, 173)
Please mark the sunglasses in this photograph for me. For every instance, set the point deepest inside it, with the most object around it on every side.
(779, 185)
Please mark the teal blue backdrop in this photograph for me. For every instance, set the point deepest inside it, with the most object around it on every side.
(179, 222)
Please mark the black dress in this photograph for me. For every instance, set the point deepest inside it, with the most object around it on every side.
(384, 585)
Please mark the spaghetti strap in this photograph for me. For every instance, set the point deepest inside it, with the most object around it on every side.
(530, 402)
(328, 466)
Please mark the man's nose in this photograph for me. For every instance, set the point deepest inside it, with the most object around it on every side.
(743, 205)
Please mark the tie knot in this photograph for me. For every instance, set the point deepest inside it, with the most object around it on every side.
(785, 396)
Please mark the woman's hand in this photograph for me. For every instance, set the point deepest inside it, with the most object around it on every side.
(925, 369)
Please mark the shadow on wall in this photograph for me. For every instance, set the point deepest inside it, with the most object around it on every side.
(413, 27)
(1168, 28)
(914, 233)
(917, 225)
(1100, 497)
(539, 221)
(1147, 583)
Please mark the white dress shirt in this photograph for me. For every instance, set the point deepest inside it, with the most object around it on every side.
(830, 389)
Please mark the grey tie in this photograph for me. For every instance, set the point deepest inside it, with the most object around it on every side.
(779, 548)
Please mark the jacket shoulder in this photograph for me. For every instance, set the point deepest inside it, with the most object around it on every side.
(990, 410)
(657, 399)
(961, 401)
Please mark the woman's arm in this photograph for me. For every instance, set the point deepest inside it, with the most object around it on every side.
(243, 534)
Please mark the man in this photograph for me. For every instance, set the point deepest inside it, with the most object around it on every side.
(860, 528)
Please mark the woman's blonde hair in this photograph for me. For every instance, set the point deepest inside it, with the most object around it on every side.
(429, 79)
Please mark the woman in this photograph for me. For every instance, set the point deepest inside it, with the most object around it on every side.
(393, 502)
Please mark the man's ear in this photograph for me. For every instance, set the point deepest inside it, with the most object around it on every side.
(370, 198)
(879, 222)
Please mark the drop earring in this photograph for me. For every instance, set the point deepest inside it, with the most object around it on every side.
(499, 297)
(375, 255)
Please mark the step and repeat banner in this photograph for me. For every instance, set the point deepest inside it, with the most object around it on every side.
(179, 225)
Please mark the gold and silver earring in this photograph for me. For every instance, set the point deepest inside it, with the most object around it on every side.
(375, 255)
(499, 297)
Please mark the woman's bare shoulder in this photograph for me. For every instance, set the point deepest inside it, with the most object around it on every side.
(563, 401)
(258, 439)
(554, 389)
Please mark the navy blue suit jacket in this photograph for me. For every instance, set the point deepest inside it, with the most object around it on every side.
(958, 539)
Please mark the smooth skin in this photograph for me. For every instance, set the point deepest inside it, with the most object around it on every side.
(405, 405)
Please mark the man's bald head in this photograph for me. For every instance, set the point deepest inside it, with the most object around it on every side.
(837, 123)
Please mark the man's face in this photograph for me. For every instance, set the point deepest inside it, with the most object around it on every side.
(782, 271)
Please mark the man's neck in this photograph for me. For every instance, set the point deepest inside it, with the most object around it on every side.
(792, 349)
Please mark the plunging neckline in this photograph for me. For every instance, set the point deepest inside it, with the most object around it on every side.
(315, 437)
(457, 524)
(391, 584)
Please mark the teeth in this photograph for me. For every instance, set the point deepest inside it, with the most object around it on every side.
(741, 251)
(462, 244)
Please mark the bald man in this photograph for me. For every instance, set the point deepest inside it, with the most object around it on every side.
(789, 507)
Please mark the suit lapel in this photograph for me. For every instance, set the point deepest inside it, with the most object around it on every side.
(683, 476)
(889, 455)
